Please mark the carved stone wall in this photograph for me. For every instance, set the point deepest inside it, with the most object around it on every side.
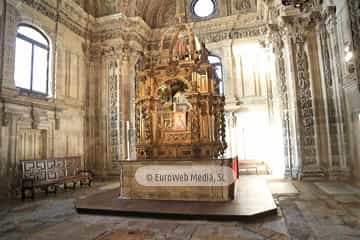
(348, 39)
(114, 121)
(316, 75)
(276, 37)
(305, 101)
(116, 42)
(93, 113)
(39, 127)
(332, 80)
(354, 10)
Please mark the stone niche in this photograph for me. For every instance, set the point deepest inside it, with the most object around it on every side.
(179, 118)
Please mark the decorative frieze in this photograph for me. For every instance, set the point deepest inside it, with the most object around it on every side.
(217, 36)
(244, 6)
(233, 34)
(51, 12)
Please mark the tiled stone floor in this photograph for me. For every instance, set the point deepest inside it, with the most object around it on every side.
(309, 214)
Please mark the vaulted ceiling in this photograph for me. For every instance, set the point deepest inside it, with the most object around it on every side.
(156, 13)
(159, 13)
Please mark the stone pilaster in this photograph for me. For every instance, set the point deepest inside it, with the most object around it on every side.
(228, 60)
(308, 142)
(114, 69)
(334, 79)
(9, 36)
(296, 87)
(354, 10)
(276, 38)
(133, 60)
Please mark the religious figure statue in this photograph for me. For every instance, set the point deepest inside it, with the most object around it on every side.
(141, 63)
(164, 94)
(181, 103)
(181, 49)
(204, 53)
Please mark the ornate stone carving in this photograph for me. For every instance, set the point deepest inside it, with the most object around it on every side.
(242, 5)
(354, 8)
(276, 34)
(51, 12)
(304, 98)
(114, 121)
(326, 56)
(233, 34)
(331, 96)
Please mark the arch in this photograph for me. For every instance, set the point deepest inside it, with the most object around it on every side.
(32, 60)
(215, 60)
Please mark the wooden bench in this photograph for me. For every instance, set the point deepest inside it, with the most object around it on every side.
(49, 174)
(253, 164)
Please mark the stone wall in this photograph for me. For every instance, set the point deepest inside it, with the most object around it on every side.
(42, 127)
(315, 92)
(349, 36)
(116, 44)
(318, 120)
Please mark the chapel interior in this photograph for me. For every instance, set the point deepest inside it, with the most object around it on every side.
(95, 92)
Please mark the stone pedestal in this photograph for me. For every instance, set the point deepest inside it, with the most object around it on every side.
(131, 189)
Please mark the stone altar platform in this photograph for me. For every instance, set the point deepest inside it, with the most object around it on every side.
(253, 199)
(131, 188)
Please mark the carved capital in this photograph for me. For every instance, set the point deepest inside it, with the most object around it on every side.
(328, 17)
(125, 55)
(276, 34)
(328, 12)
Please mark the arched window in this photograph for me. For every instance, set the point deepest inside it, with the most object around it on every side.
(32, 60)
(216, 62)
(203, 8)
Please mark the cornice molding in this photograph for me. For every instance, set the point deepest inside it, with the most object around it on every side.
(78, 25)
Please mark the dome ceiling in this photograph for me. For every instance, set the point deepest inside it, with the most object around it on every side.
(159, 13)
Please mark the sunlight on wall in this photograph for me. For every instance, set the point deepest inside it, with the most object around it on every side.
(253, 65)
(254, 131)
(254, 137)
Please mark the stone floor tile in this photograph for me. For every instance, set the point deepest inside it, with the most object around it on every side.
(310, 214)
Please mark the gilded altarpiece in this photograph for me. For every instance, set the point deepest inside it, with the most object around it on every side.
(179, 119)
(179, 109)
